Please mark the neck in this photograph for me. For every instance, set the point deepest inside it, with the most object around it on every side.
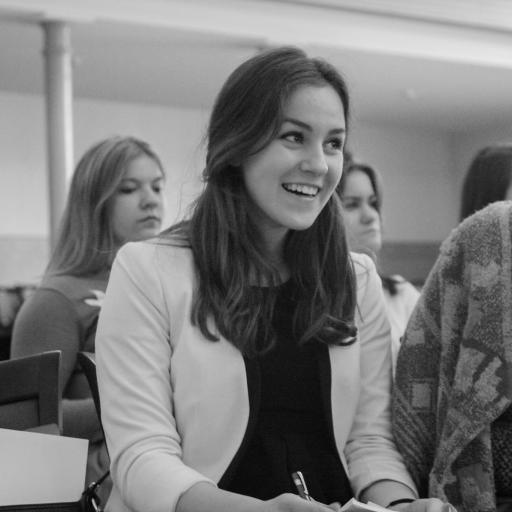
(274, 250)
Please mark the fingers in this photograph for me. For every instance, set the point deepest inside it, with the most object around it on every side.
(430, 505)
(326, 508)
(292, 503)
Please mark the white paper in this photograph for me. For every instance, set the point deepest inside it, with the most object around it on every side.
(40, 468)
(356, 506)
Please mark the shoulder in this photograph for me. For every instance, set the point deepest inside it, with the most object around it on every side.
(405, 288)
(43, 305)
(364, 268)
(480, 246)
(47, 316)
(60, 282)
(154, 250)
(483, 231)
(71, 286)
(155, 258)
(362, 262)
(368, 283)
(85, 293)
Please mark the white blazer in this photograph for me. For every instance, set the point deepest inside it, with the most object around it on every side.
(175, 405)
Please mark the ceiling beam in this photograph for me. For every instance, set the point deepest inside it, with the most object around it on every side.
(271, 23)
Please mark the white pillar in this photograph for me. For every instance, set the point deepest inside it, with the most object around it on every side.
(59, 117)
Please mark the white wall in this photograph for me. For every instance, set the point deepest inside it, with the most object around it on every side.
(421, 169)
(175, 134)
(22, 166)
(420, 196)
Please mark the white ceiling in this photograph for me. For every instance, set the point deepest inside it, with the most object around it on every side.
(453, 75)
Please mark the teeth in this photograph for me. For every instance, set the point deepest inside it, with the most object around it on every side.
(307, 190)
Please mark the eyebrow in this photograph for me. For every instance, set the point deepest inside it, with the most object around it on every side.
(308, 127)
(137, 180)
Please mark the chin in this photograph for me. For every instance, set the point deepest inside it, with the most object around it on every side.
(369, 247)
(301, 225)
(373, 244)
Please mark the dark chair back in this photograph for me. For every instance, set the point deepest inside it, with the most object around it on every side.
(87, 361)
(30, 392)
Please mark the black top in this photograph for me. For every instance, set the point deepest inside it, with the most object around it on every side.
(293, 427)
(501, 438)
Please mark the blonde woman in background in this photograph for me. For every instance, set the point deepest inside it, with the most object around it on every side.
(115, 197)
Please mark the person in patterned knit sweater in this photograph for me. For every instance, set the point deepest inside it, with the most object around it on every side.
(451, 408)
(115, 197)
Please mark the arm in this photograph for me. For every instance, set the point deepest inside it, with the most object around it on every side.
(411, 296)
(419, 357)
(47, 321)
(380, 492)
(370, 450)
(207, 498)
(133, 354)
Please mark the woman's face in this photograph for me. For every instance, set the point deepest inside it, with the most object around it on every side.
(362, 220)
(293, 177)
(138, 204)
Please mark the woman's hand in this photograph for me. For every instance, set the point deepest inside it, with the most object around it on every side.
(425, 505)
(293, 503)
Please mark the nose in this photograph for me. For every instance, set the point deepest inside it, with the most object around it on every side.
(150, 199)
(315, 161)
(368, 214)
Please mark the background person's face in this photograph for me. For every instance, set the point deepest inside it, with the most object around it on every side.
(138, 204)
(292, 178)
(362, 220)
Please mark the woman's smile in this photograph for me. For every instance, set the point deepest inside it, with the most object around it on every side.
(302, 190)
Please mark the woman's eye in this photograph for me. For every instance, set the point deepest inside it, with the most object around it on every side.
(349, 205)
(295, 137)
(127, 190)
(335, 144)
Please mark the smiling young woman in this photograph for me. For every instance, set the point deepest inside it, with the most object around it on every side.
(115, 196)
(246, 344)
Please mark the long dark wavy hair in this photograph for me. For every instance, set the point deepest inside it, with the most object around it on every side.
(225, 239)
(487, 180)
(86, 244)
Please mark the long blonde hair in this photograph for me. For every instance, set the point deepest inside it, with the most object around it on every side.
(86, 244)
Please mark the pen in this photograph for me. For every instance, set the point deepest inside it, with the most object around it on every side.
(300, 484)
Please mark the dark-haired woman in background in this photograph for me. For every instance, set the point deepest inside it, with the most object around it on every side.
(361, 196)
(115, 196)
(488, 179)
